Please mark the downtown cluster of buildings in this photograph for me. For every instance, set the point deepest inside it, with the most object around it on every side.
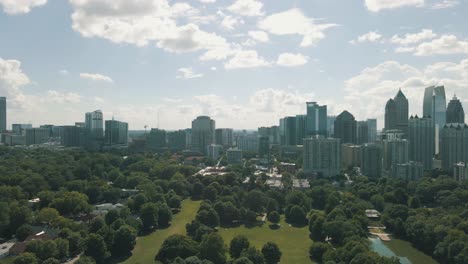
(94, 133)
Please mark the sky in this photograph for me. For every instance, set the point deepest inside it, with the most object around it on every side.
(245, 63)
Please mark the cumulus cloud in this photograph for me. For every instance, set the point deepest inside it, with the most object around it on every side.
(413, 38)
(12, 79)
(229, 22)
(187, 73)
(379, 5)
(291, 60)
(371, 36)
(297, 24)
(445, 4)
(444, 45)
(246, 59)
(247, 8)
(207, 1)
(96, 77)
(16, 7)
(63, 97)
(259, 36)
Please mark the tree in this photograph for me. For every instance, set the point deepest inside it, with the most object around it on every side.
(23, 232)
(243, 260)
(85, 260)
(71, 203)
(149, 216)
(317, 250)
(274, 217)
(164, 215)
(111, 216)
(26, 258)
(253, 255)
(124, 241)
(296, 215)
(238, 244)
(174, 202)
(96, 248)
(47, 250)
(51, 261)
(255, 201)
(176, 246)
(271, 252)
(213, 249)
(47, 215)
(19, 215)
(208, 216)
(63, 248)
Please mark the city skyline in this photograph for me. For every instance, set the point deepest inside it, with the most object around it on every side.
(56, 64)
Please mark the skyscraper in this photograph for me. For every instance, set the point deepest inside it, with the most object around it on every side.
(116, 132)
(72, 136)
(177, 140)
(157, 140)
(372, 125)
(203, 133)
(3, 114)
(455, 112)
(390, 115)
(331, 126)
(454, 147)
(434, 105)
(301, 131)
(395, 151)
(345, 127)
(421, 140)
(396, 113)
(94, 124)
(316, 119)
(371, 160)
(264, 147)
(362, 132)
(322, 155)
(224, 137)
(37, 136)
(288, 131)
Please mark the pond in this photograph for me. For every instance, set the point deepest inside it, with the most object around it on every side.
(401, 249)
(379, 247)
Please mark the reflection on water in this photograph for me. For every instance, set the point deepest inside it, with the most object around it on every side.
(379, 247)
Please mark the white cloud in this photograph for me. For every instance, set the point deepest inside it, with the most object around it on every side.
(445, 4)
(258, 35)
(409, 39)
(291, 60)
(12, 79)
(371, 36)
(63, 72)
(98, 99)
(294, 22)
(187, 73)
(207, 1)
(229, 22)
(444, 45)
(379, 5)
(246, 59)
(59, 97)
(247, 8)
(96, 77)
(16, 7)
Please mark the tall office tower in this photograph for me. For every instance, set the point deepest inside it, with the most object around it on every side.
(454, 145)
(402, 112)
(371, 160)
(434, 105)
(316, 119)
(372, 125)
(188, 138)
(390, 115)
(350, 156)
(390, 134)
(288, 131)
(72, 136)
(362, 132)
(409, 171)
(460, 171)
(248, 143)
(80, 124)
(331, 126)
(455, 112)
(271, 132)
(3, 114)
(116, 133)
(36, 136)
(94, 124)
(421, 140)
(20, 128)
(301, 127)
(234, 156)
(345, 127)
(322, 155)
(214, 151)
(224, 137)
(395, 151)
(157, 140)
(176, 140)
(54, 130)
(203, 133)
(264, 147)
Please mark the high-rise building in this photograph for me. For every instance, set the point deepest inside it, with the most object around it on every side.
(271, 132)
(3, 114)
(177, 140)
(234, 156)
(331, 126)
(435, 104)
(116, 133)
(421, 140)
(460, 171)
(316, 120)
(264, 147)
(53, 130)
(372, 125)
(371, 160)
(224, 137)
(350, 156)
(288, 131)
(301, 128)
(94, 124)
(396, 113)
(214, 151)
(362, 135)
(248, 143)
(409, 171)
(390, 135)
(345, 127)
(203, 133)
(395, 151)
(19, 129)
(157, 140)
(36, 136)
(322, 155)
(390, 115)
(455, 112)
(454, 145)
(72, 136)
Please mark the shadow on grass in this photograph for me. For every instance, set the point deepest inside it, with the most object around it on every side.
(240, 223)
(274, 226)
(119, 259)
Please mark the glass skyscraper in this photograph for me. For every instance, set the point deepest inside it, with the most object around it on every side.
(435, 105)
(316, 121)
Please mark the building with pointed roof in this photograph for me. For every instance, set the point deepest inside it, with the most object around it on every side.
(455, 112)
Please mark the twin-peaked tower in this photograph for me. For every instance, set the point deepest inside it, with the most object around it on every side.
(397, 113)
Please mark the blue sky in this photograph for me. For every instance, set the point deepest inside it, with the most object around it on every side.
(246, 63)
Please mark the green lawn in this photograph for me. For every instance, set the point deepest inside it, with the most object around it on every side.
(294, 242)
(147, 246)
(405, 249)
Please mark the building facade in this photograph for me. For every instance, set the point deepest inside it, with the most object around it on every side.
(116, 133)
(3, 114)
(322, 155)
(409, 171)
(455, 112)
(234, 156)
(350, 156)
(371, 160)
(422, 140)
(224, 137)
(395, 151)
(362, 133)
(346, 127)
(35, 136)
(72, 136)
(203, 133)
(435, 105)
(454, 145)
(316, 119)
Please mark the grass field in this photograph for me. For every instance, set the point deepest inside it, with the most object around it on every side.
(403, 248)
(147, 246)
(293, 242)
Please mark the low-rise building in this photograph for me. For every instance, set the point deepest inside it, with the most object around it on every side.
(274, 184)
(287, 167)
(301, 184)
(460, 171)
